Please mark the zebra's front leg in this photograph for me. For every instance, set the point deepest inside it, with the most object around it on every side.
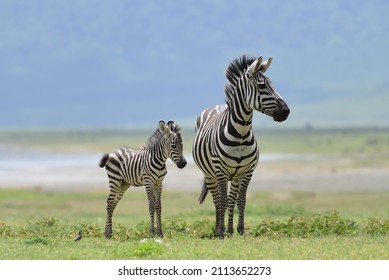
(233, 193)
(241, 202)
(158, 208)
(151, 200)
(222, 188)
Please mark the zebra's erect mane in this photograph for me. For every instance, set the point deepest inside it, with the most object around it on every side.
(233, 72)
(237, 67)
(155, 138)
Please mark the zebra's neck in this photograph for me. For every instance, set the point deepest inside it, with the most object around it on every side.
(160, 152)
(239, 121)
(156, 147)
(237, 127)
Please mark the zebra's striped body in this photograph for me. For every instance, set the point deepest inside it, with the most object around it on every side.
(143, 167)
(224, 147)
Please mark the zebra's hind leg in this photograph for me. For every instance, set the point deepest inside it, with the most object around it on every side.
(212, 187)
(115, 195)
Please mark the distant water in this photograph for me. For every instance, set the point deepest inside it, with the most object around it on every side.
(11, 159)
(63, 172)
(34, 168)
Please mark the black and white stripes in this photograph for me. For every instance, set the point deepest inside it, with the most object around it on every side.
(224, 147)
(143, 167)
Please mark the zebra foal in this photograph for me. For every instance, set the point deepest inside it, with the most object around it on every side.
(224, 146)
(143, 167)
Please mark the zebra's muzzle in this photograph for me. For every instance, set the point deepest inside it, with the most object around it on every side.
(283, 113)
(181, 164)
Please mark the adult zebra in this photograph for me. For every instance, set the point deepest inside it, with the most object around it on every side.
(143, 167)
(224, 147)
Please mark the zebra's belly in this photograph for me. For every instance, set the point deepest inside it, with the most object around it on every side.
(143, 179)
(234, 168)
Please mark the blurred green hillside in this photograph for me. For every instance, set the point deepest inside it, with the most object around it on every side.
(130, 63)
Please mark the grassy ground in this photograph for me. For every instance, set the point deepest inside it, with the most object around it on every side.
(279, 225)
(39, 225)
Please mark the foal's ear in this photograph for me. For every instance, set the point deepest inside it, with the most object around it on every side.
(254, 67)
(170, 124)
(164, 128)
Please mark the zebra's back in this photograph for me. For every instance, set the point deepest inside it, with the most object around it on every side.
(132, 167)
(208, 114)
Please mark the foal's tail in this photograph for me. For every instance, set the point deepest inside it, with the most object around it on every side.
(104, 160)
(204, 192)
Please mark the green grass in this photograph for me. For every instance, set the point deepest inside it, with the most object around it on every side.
(279, 225)
(40, 225)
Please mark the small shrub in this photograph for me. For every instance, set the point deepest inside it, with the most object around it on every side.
(174, 227)
(36, 240)
(204, 229)
(122, 233)
(306, 226)
(5, 230)
(377, 227)
(90, 230)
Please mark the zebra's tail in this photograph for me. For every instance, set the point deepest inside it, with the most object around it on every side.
(204, 192)
(104, 160)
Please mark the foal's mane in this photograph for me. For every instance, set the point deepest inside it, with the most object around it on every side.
(157, 136)
(154, 139)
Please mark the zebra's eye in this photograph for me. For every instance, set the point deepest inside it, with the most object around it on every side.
(174, 146)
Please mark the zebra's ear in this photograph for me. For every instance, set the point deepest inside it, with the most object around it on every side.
(164, 128)
(254, 67)
(170, 124)
(264, 65)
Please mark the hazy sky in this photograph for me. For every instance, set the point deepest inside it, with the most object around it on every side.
(118, 63)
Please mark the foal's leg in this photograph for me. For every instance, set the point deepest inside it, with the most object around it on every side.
(151, 200)
(117, 189)
(158, 207)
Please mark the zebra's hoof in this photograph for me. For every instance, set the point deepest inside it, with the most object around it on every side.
(220, 234)
(241, 231)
